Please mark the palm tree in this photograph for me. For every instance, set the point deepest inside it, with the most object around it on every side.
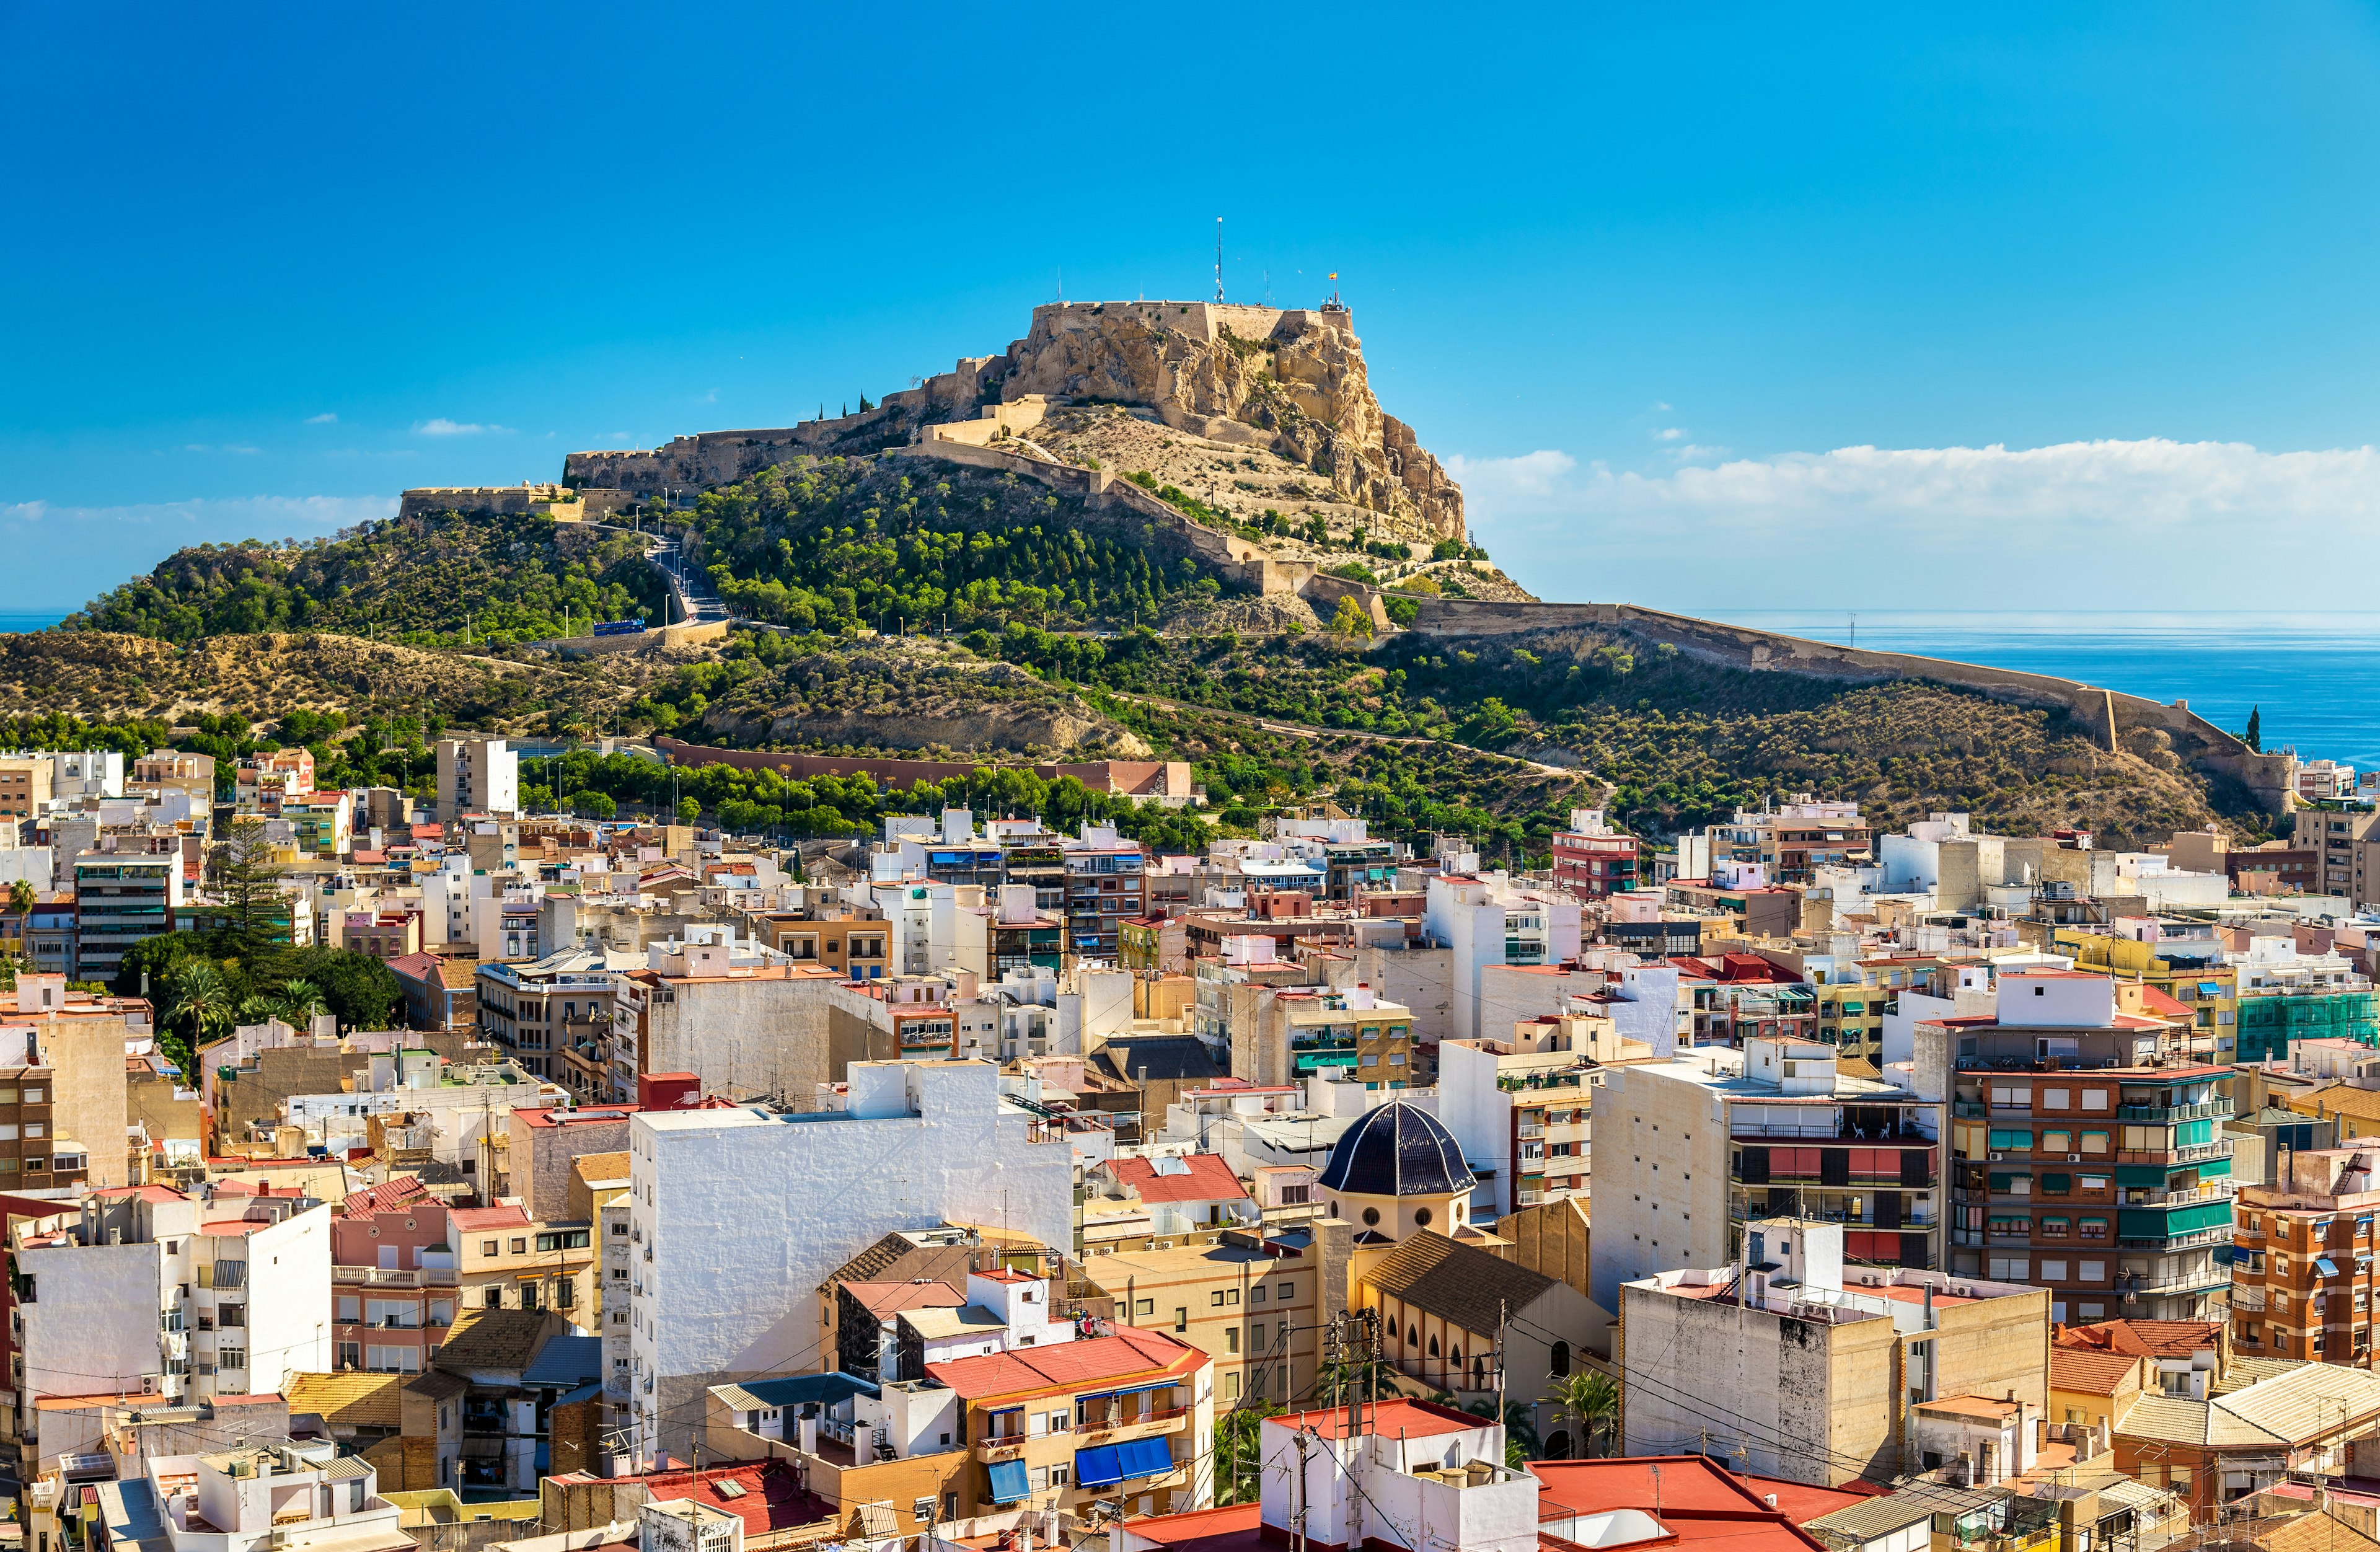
(299, 1004)
(201, 1002)
(1591, 1399)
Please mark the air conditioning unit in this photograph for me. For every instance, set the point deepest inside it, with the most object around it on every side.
(2074, 1159)
(1996, 1158)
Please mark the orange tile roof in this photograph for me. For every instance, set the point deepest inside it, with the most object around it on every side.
(2088, 1371)
(1207, 1179)
(2143, 1339)
(1069, 1365)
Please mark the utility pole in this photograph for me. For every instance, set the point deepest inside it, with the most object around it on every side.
(1503, 1313)
(1218, 259)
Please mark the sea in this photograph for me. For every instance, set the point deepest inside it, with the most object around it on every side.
(2314, 678)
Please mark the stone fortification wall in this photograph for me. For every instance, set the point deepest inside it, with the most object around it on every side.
(2116, 720)
(1291, 381)
(558, 502)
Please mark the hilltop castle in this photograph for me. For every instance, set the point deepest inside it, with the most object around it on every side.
(1291, 382)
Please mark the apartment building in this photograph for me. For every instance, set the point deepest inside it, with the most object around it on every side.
(1250, 1303)
(2089, 1150)
(1789, 1362)
(477, 776)
(120, 900)
(739, 1022)
(64, 1089)
(1128, 1416)
(2301, 1260)
(263, 780)
(1591, 859)
(1794, 839)
(25, 787)
(1738, 997)
(732, 1208)
(507, 1260)
(2345, 841)
(1297, 1032)
(147, 1291)
(1714, 1139)
(545, 1011)
(1104, 888)
(396, 1279)
(854, 941)
(2286, 998)
(2185, 961)
(1522, 1108)
(173, 771)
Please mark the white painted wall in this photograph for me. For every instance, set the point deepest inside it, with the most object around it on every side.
(746, 1212)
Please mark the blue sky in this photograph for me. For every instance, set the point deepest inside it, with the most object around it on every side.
(1751, 309)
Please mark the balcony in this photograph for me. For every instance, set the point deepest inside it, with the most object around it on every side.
(2190, 1155)
(1009, 1446)
(1173, 1420)
(2220, 1190)
(2205, 1110)
(390, 1277)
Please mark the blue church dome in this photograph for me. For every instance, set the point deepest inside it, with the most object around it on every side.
(1397, 1150)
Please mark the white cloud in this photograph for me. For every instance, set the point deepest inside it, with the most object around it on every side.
(228, 447)
(266, 516)
(326, 418)
(1670, 434)
(444, 427)
(2062, 525)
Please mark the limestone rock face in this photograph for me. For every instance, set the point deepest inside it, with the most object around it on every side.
(1292, 381)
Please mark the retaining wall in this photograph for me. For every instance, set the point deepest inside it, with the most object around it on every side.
(660, 635)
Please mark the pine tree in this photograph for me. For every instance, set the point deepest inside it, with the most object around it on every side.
(247, 884)
(2255, 738)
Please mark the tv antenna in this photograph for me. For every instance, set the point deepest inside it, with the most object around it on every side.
(1218, 259)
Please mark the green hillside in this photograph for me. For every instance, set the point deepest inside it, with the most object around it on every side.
(423, 581)
(893, 543)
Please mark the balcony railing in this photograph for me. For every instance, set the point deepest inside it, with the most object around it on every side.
(393, 1277)
(2204, 1110)
(1172, 1420)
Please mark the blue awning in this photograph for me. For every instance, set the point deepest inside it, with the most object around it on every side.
(1010, 1481)
(1097, 1466)
(2210, 988)
(1147, 1456)
(2323, 1265)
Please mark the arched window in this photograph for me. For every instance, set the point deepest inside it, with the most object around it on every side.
(1560, 1364)
(1413, 1334)
(1558, 1445)
(1479, 1374)
(1433, 1344)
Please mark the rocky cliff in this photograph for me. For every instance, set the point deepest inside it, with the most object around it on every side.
(1288, 383)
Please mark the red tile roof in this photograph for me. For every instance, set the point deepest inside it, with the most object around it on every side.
(1207, 1179)
(1802, 1503)
(2156, 1000)
(2143, 1339)
(2089, 1372)
(489, 1218)
(1695, 1499)
(1410, 1419)
(1069, 1365)
(772, 1498)
(402, 1191)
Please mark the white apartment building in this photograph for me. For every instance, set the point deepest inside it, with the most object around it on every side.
(1692, 1148)
(738, 1215)
(1491, 919)
(150, 1291)
(477, 776)
(285, 1496)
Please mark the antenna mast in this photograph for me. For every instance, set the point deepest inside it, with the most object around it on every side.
(1218, 259)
